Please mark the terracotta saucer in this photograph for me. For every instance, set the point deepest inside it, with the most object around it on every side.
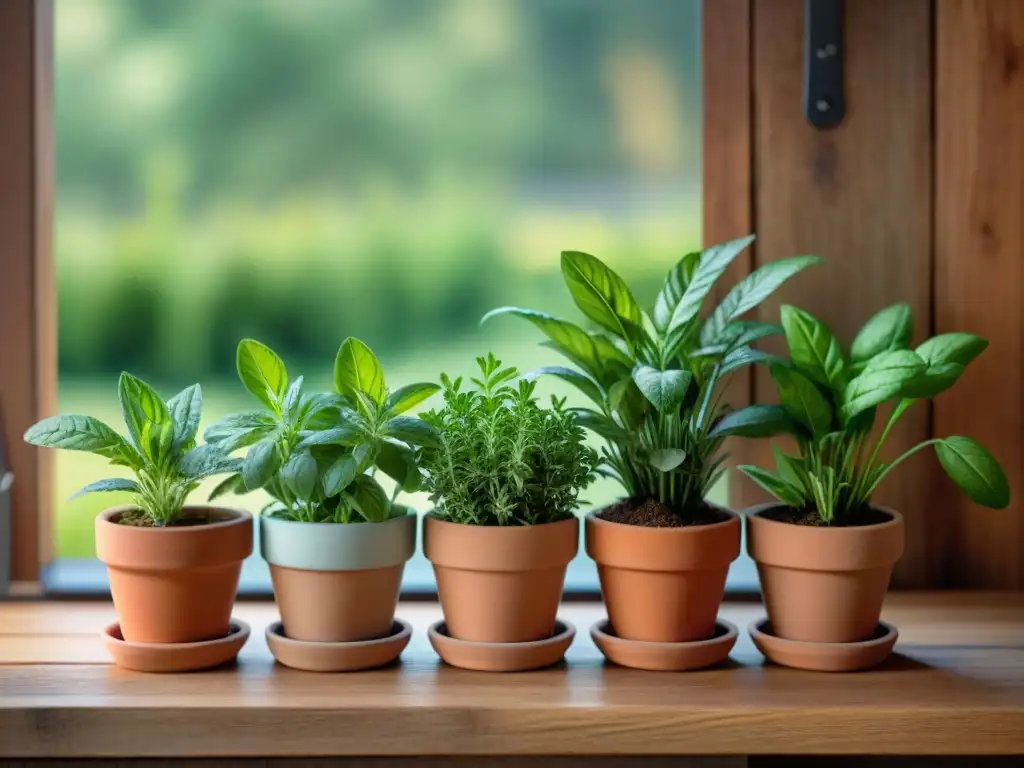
(665, 657)
(175, 657)
(824, 657)
(338, 657)
(502, 657)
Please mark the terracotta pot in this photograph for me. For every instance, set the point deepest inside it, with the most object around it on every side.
(500, 584)
(663, 585)
(178, 584)
(822, 584)
(337, 582)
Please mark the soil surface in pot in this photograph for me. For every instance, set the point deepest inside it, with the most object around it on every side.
(651, 513)
(138, 519)
(810, 517)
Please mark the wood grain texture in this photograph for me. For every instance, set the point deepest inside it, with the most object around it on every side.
(859, 196)
(956, 686)
(27, 305)
(979, 276)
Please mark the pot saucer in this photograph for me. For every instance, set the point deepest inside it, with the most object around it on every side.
(350, 656)
(502, 657)
(665, 657)
(824, 657)
(175, 657)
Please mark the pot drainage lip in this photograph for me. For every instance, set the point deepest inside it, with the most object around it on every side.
(665, 657)
(502, 657)
(175, 657)
(824, 657)
(342, 656)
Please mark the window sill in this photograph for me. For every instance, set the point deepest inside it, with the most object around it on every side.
(956, 686)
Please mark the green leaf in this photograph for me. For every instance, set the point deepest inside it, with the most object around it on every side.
(299, 473)
(626, 400)
(751, 291)
(339, 475)
(756, 421)
(813, 348)
(974, 470)
(292, 400)
(399, 463)
(146, 415)
(409, 396)
(240, 430)
(411, 430)
(601, 294)
(774, 484)
(665, 390)
(356, 369)
(262, 372)
(790, 470)
(959, 348)
(882, 379)
(742, 356)
(260, 465)
(713, 262)
(207, 460)
(319, 410)
(186, 409)
(739, 333)
(598, 423)
(232, 484)
(666, 459)
(889, 330)
(81, 433)
(346, 433)
(581, 381)
(672, 292)
(802, 399)
(369, 499)
(934, 380)
(114, 484)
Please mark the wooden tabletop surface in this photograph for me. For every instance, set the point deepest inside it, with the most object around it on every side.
(955, 686)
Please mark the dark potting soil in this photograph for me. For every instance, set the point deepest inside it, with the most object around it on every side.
(866, 516)
(651, 513)
(189, 519)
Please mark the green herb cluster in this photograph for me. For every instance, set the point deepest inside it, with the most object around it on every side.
(501, 459)
(828, 402)
(656, 379)
(161, 452)
(317, 454)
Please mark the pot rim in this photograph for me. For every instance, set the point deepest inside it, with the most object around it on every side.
(274, 520)
(500, 548)
(337, 547)
(236, 516)
(593, 519)
(895, 520)
(434, 518)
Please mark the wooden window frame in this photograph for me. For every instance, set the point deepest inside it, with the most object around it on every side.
(926, 156)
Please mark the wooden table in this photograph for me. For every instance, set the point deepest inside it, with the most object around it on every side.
(955, 687)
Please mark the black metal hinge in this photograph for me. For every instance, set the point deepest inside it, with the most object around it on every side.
(824, 102)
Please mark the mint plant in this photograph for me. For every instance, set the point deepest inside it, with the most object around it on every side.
(500, 458)
(828, 403)
(161, 451)
(656, 379)
(317, 454)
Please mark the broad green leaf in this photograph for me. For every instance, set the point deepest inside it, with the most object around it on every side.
(974, 470)
(934, 380)
(262, 372)
(862, 423)
(882, 379)
(399, 463)
(602, 295)
(959, 348)
(102, 486)
(299, 474)
(232, 484)
(356, 369)
(598, 423)
(81, 433)
(751, 291)
(888, 330)
(739, 333)
(346, 433)
(756, 421)
(742, 356)
(292, 400)
(207, 460)
(802, 399)
(146, 415)
(628, 402)
(665, 390)
(409, 396)
(713, 262)
(411, 430)
(666, 459)
(790, 469)
(813, 348)
(320, 410)
(672, 291)
(260, 464)
(186, 409)
(241, 430)
(581, 381)
(369, 499)
(774, 484)
(340, 474)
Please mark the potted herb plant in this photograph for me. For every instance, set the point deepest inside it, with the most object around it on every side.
(504, 478)
(336, 542)
(173, 567)
(825, 553)
(656, 380)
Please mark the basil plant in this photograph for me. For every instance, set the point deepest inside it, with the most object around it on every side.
(656, 379)
(317, 454)
(828, 403)
(161, 450)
